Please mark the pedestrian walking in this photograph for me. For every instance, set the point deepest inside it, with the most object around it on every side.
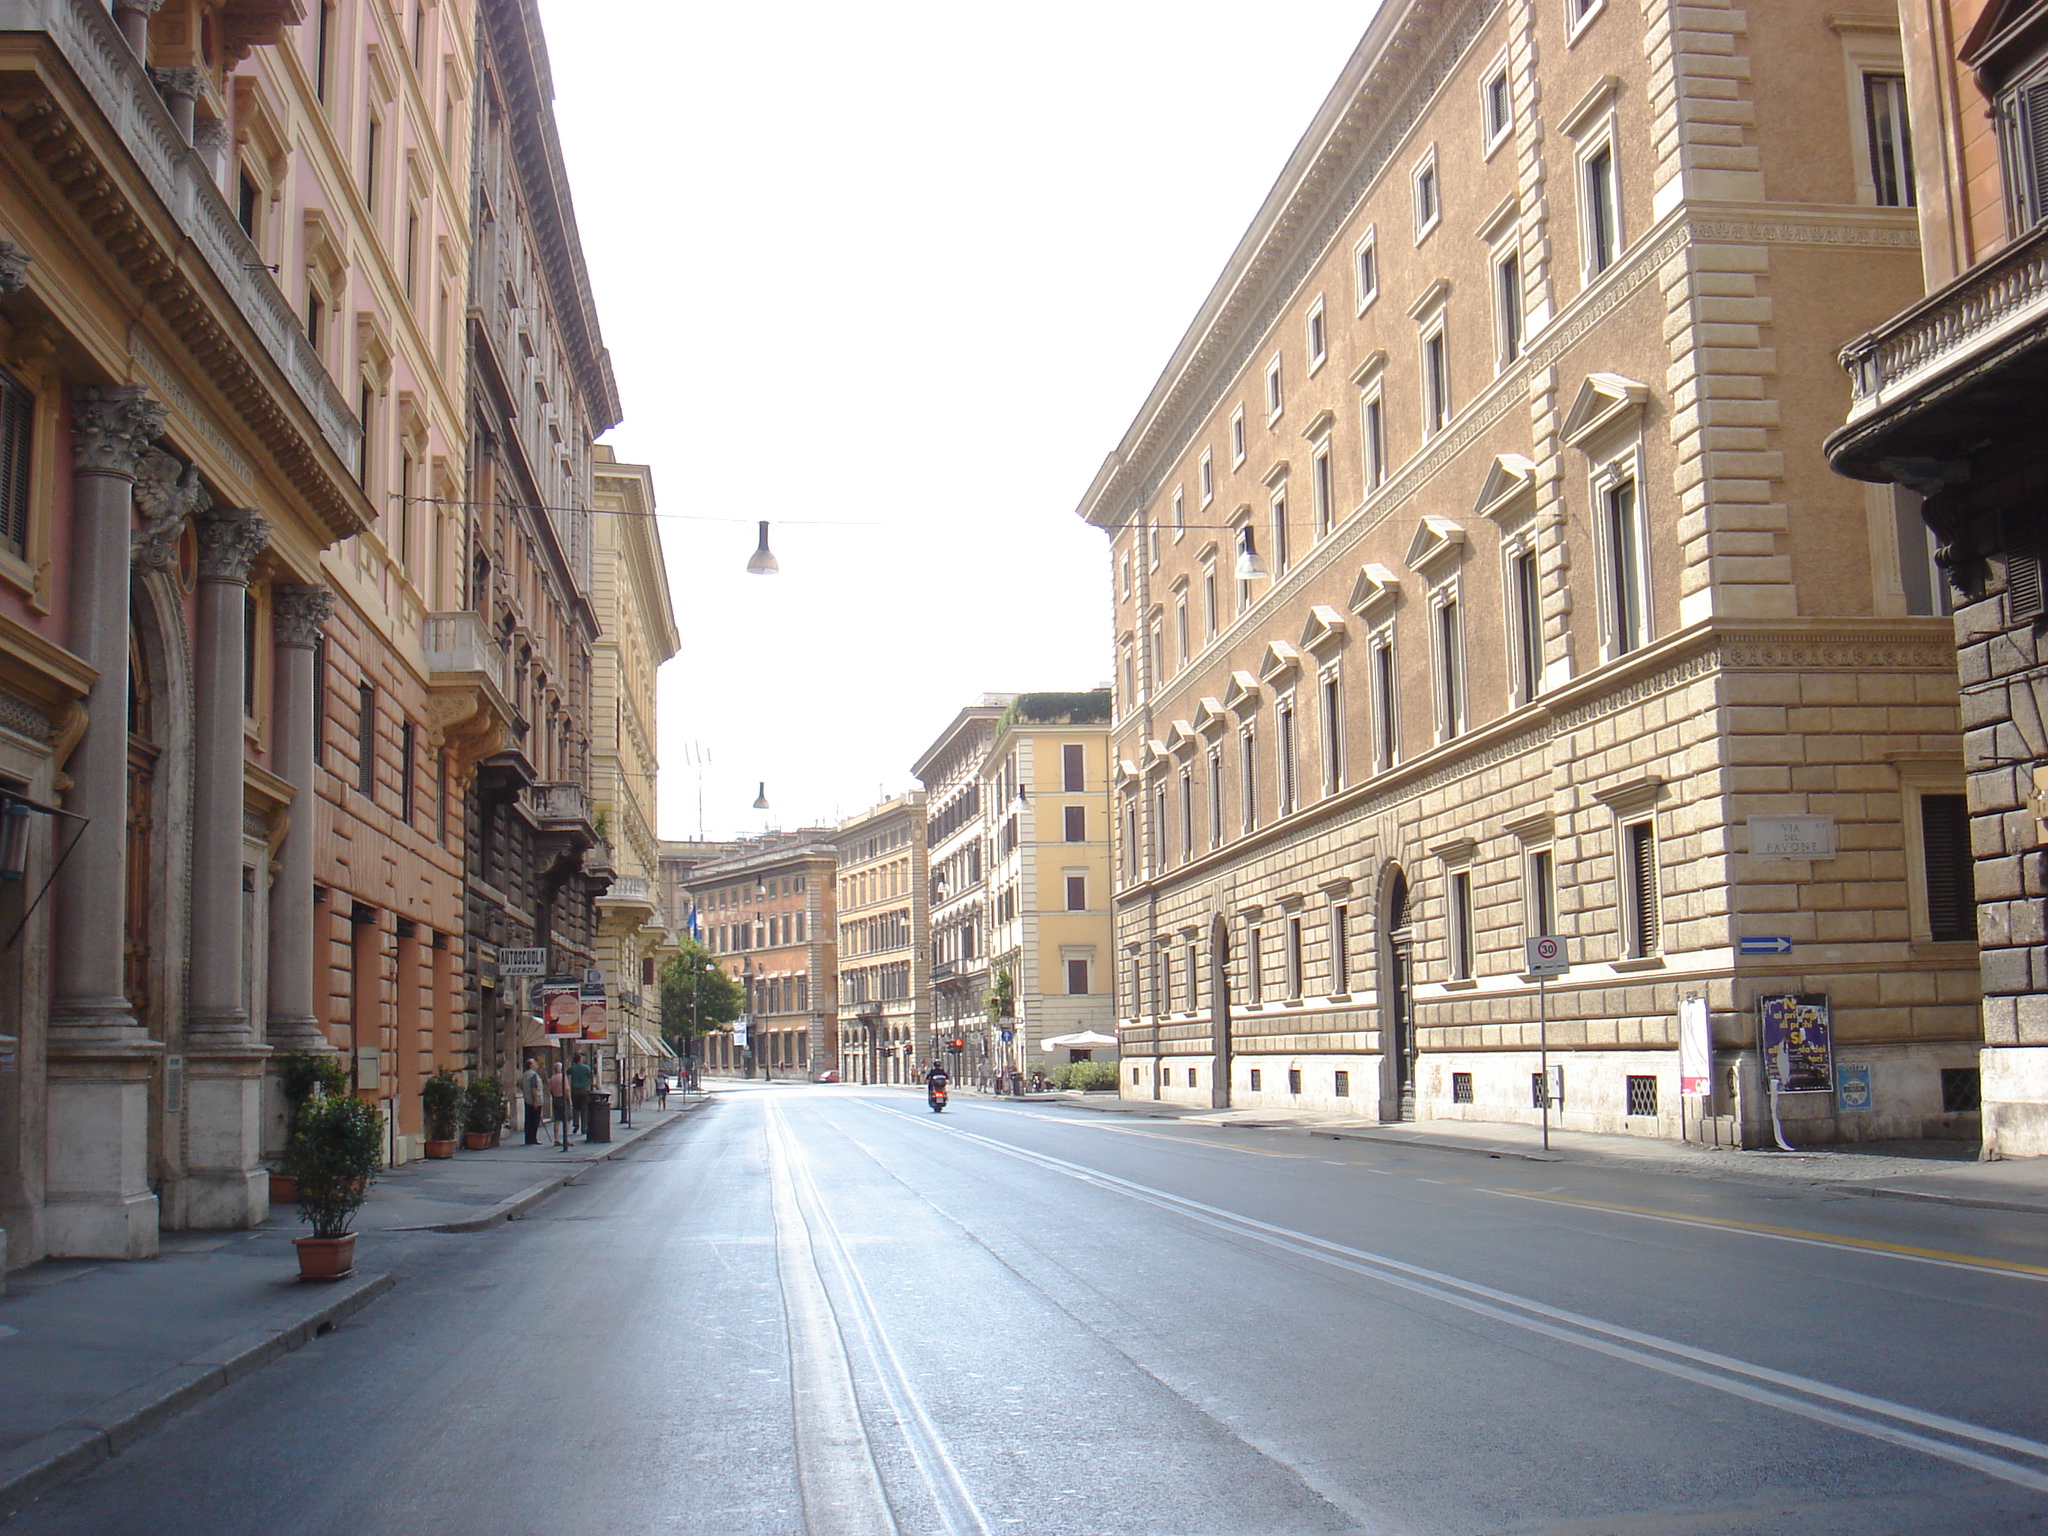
(558, 1088)
(639, 1087)
(661, 1090)
(533, 1093)
(581, 1076)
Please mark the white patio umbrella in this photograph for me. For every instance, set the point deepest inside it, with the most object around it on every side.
(1086, 1040)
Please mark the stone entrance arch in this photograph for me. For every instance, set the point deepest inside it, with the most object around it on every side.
(1397, 999)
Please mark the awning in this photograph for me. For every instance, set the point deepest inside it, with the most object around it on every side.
(1086, 1040)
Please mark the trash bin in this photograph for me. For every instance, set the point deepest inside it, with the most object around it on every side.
(597, 1124)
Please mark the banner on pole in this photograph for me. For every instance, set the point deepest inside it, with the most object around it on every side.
(561, 1007)
(1695, 1049)
(595, 1013)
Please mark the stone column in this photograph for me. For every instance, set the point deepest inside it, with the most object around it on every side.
(181, 88)
(99, 1203)
(297, 615)
(225, 1186)
(132, 17)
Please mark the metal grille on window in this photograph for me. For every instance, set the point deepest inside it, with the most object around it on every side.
(1642, 1095)
(1945, 852)
(1461, 1087)
(17, 429)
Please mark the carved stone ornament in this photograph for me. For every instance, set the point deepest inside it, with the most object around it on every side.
(145, 7)
(210, 137)
(13, 267)
(298, 613)
(112, 426)
(230, 539)
(166, 493)
(186, 80)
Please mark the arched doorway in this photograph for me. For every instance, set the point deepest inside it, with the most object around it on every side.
(1397, 1001)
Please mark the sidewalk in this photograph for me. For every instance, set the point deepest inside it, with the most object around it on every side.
(96, 1354)
(1940, 1172)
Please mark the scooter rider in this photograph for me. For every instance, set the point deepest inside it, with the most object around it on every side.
(935, 1082)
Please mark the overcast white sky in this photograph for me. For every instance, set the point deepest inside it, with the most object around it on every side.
(908, 267)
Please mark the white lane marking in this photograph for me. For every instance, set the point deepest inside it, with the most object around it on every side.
(950, 1495)
(835, 1466)
(1690, 1364)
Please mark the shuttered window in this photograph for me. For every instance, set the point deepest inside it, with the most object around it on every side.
(1640, 843)
(2025, 121)
(17, 427)
(2024, 597)
(1945, 850)
(366, 738)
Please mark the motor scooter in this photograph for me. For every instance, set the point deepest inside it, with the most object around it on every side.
(936, 1097)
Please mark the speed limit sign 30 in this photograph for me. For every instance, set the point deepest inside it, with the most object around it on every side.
(1546, 956)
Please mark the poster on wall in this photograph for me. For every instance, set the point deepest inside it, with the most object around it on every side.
(595, 1015)
(1798, 1042)
(1695, 1049)
(561, 1008)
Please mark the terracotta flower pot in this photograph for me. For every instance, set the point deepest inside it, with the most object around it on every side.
(478, 1141)
(284, 1189)
(326, 1258)
(440, 1148)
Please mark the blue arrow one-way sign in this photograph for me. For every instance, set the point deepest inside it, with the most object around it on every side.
(1772, 944)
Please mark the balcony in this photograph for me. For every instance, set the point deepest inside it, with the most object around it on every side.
(631, 892)
(467, 673)
(1962, 365)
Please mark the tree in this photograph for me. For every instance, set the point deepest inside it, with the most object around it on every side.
(697, 996)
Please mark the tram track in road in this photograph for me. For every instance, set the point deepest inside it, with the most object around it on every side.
(2009, 1458)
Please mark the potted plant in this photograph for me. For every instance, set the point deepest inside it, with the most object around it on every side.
(441, 1107)
(483, 1112)
(303, 1076)
(334, 1154)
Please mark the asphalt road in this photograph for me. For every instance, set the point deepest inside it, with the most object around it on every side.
(826, 1311)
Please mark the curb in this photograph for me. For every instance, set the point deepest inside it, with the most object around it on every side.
(1978, 1202)
(1477, 1148)
(107, 1430)
(516, 1206)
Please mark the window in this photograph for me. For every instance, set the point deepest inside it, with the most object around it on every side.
(1642, 1095)
(322, 37)
(1077, 893)
(1180, 509)
(1640, 936)
(1187, 814)
(1962, 1090)
(1216, 799)
(17, 432)
(1373, 439)
(1210, 616)
(1891, 140)
(1450, 668)
(314, 308)
(370, 166)
(1342, 1085)
(1525, 619)
(1075, 818)
(366, 407)
(1428, 198)
(1256, 1078)
(1945, 857)
(366, 738)
(1077, 980)
(1461, 924)
(1923, 582)
(1131, 836)
(1159, 821)
(1194, 981)
(1385, 732)
(1582, 11)
(1623, 536)
(1507, 306)
(1461, 1087)
(1331, 729)
(1318, 338)
(1237, 437)
(1248, 765)
(1294, 1080)
(1539, 895)
(246, 200)
(1294, 959)
(1283, 741)
(1254, 966)
(1321, 492)
(1365, 270)
(1274, 396)
(1184, 649)
(408, 747)
(1205, 478)
(1602, 226)
(1340, 950)
(1496, 104)
(1281, 551)
(1436, 384)
(1073, 769)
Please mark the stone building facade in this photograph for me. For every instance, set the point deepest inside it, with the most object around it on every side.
(518, 676)
(636, 626)
(1477, 575)
(769, 911)
(1942, 422)
(1045, 784)
(956, 850)
(884, 942)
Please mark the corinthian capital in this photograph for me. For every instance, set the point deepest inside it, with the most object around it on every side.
(298, 613)
(145, 7)
(111, 427)
(166, 493)
(180, 80)
(230, 539)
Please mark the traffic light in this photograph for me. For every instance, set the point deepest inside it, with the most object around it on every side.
(957, 1044)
